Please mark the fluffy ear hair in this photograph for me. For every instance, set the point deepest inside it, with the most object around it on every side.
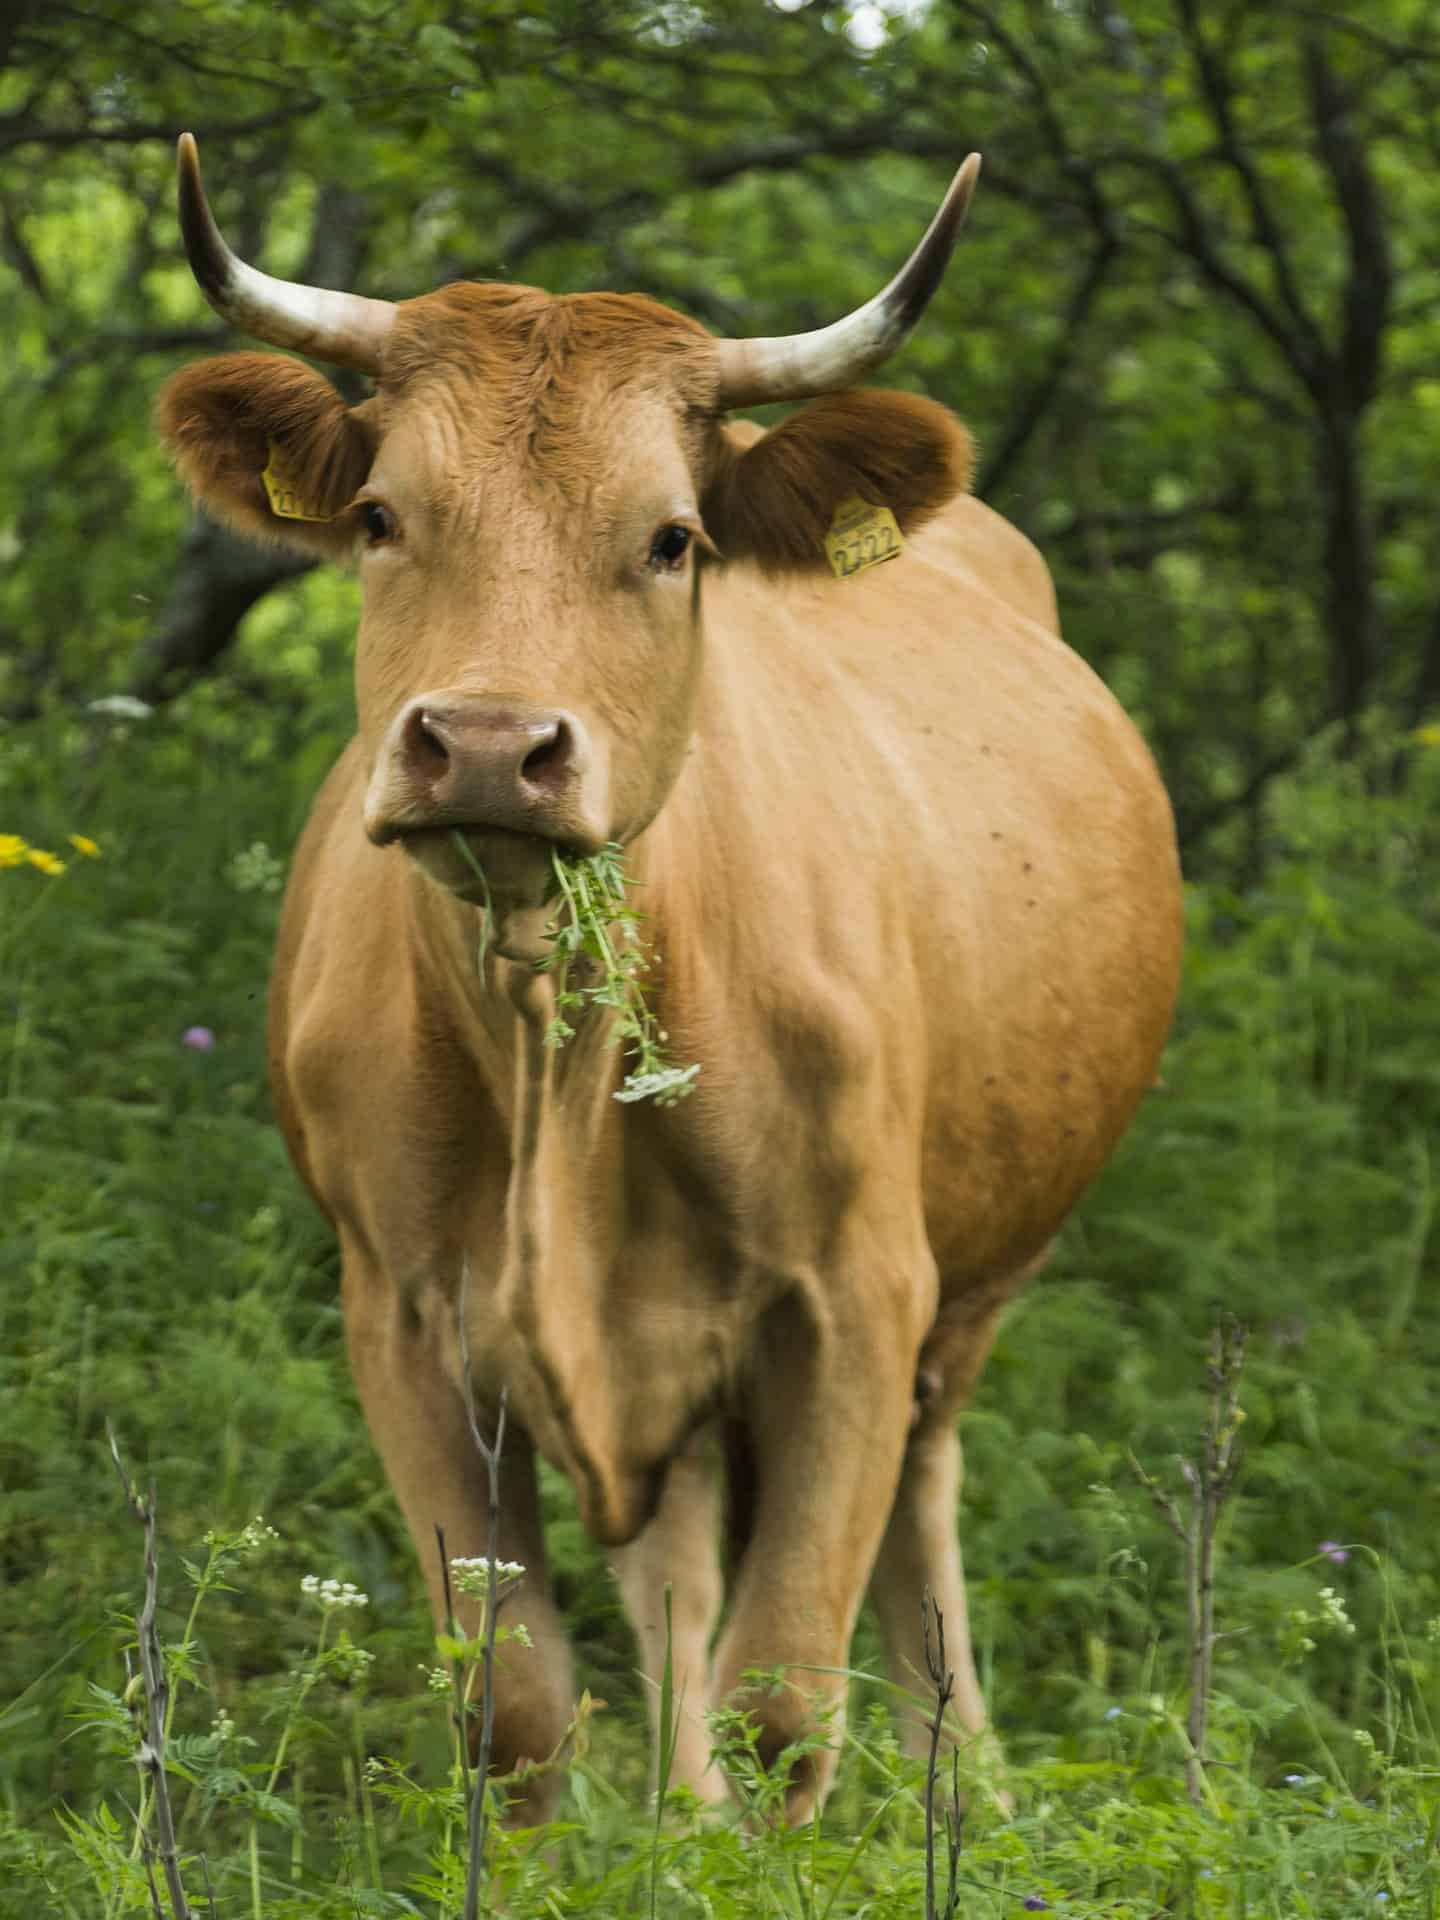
(772, 500)
(223, 418)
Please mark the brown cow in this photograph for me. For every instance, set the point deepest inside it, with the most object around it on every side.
(910, 881)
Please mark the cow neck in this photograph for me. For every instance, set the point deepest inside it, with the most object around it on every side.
(510, 1008)
(563, 1217)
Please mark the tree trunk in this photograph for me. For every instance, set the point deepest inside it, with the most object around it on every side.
(1352, 617)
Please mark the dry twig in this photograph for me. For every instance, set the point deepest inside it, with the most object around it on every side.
(943, 1681)
(151, 1757)
(1210, 1479)
(489, 1451)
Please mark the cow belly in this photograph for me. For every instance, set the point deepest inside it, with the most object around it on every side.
(1072, 998)
(1023, 1119)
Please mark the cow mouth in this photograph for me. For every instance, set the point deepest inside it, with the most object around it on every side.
(509, 876)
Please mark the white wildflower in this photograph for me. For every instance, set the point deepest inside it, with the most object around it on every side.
(473, 1575)
(1333, 1614)
(665, 1086)
(333, 1593)
(436, 1678)
(254, 1535)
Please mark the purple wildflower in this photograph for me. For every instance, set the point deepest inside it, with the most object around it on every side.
(1333, 1551)
(1032, 1903)
(200, 1038)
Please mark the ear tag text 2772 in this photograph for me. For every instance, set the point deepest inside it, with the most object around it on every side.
(282, 492)
(861, 535)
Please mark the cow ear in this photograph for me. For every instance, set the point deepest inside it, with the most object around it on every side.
(229, 422)
(773, 499)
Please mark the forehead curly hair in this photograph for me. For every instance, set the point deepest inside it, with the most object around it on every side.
(545, 362)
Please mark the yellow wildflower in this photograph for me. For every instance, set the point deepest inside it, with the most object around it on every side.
(82, 843)
(46, 862)
(1428, 735)
(12, 850)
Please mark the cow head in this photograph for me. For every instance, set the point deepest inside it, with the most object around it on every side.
(533, 493)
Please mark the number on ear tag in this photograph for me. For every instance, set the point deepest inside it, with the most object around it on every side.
(282, 492)
(861, 536)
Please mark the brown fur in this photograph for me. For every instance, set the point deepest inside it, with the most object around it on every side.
(487, 331)
(218, 420)
(773, 502)
(910, 879)
(531, 359)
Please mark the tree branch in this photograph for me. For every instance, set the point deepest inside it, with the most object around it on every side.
(996, 468)
(19, 130)
(1426, 696)
(1265, 230)
(1196, 241)
(563, 218)
(1366, 300)
(219, 580)
(18, 252)
(1192, 824)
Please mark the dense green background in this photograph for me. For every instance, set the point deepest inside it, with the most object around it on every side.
(1195, 323)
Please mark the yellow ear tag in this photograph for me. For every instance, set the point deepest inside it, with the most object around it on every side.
(285, 501)
(860, 536)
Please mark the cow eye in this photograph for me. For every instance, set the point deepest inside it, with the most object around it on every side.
(669, 547)
(377, 520)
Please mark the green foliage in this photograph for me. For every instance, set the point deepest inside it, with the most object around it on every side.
(1172, 393)
(596, 933)
(597, 957)
(1193, 318)
(161, 1267)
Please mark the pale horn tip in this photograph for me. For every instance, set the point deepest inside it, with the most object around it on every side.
(962, 187)
(209, 257)
(913, 286)
(797, 366)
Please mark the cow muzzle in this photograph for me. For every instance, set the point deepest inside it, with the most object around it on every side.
(483, 767)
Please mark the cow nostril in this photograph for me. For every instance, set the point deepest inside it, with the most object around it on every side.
(547, 763)
(424, 743)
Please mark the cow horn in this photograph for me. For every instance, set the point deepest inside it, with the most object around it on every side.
(345, 329)
(794, 366)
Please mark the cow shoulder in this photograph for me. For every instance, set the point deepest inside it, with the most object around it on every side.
(972, 537)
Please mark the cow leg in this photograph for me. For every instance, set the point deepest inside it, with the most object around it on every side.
(921, 1551)
(679, 1549)
(921, 1555)
(828, 1407)
(418, 1421)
